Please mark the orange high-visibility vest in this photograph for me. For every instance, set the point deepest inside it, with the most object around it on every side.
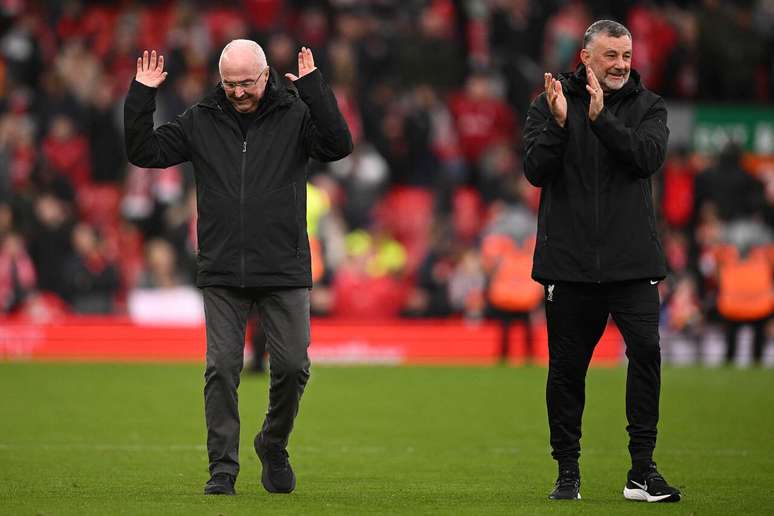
(745, 287)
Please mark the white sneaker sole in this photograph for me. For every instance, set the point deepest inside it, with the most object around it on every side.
(640, 495)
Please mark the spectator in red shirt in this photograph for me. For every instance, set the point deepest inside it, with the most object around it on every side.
(17, 273)
(482, 119)
(67, 151)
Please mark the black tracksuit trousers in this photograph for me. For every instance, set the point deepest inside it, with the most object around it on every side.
(284, 314)
(576, 315)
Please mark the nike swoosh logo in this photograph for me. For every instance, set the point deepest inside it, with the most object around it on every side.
(644, 486)
(652, 283)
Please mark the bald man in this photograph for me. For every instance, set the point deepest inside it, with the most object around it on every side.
(249, 140)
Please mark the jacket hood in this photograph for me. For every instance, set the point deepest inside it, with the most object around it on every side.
(277, 94)
(574, 83)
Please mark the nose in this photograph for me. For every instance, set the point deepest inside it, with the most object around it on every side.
(620, 63)
(238, 91)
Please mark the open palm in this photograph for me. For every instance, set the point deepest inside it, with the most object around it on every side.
(150, 70)
(557, 102)
(305, 64)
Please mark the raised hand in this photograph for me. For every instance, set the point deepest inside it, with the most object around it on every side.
(150, 71)
(305, 64)
(597, 101)
(557, 103)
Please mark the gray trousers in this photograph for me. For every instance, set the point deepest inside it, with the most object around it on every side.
(284, 313)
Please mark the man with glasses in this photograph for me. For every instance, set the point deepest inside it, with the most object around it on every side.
(249, 141)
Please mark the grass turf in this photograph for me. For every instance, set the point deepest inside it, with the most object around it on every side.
(129, 439)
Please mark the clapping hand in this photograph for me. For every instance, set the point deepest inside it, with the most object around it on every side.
(557, 103)
(150, 71)
(597, 101)
(305, 64)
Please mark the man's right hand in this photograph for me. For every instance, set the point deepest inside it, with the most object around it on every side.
(150, 71)
(557, 103)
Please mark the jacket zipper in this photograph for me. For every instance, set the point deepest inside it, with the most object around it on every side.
(596, 214)
(647, 200)
(295, 212)
(242, 212)
(242, 197)
(242, 181)
(549, 194)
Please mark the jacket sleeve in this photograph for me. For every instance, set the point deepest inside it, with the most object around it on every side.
(147, 147)
(643, 147)
(544, 143)
(325, 133)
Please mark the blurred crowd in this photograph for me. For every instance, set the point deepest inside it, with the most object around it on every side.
(430, 216)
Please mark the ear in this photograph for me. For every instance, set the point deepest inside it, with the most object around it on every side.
(585, 56)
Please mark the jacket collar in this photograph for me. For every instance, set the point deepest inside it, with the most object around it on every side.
(276, 95)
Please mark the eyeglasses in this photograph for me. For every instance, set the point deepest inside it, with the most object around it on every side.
(231, 86)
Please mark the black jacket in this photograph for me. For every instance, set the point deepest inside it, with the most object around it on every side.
(251, 193)
(597, 221)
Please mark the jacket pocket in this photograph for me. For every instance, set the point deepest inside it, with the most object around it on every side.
(217, 232)
(271, 230)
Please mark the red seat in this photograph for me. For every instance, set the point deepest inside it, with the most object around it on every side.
(130, 259)
(407, 214)
(99, 204)
(358, 296)
(467, 213)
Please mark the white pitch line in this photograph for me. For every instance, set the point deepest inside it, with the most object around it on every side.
(674, 451)
(103, 447)
(365, 450)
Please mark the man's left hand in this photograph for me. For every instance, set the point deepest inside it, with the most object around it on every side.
(597, 101)
(305, 64)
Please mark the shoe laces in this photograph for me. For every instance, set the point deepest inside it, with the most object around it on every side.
(654, 478)
(221, 478)
(567, 478)
(278, 457)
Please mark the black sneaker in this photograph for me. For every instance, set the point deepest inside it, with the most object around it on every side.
(567, 486)
(649, 486)
(277, 475)
(220, 484)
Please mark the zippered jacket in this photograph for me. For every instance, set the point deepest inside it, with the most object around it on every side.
(597, 221)
(250, 192)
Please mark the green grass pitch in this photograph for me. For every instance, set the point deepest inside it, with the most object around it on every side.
(129, 439)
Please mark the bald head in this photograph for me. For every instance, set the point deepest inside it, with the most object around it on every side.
(243, 73)
(242, 54)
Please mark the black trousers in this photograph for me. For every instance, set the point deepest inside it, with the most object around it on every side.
(284, 314)
(759, 339)
(576, 315)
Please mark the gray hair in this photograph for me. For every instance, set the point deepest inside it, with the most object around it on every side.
(244, 44)
(607, 27)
